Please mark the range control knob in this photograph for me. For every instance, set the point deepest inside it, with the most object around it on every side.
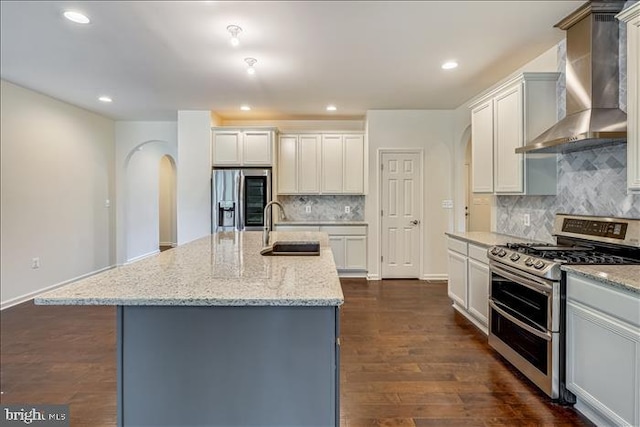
(514, 256)
(495, 250)
(539, 264)
(528, 262)
(502, 253)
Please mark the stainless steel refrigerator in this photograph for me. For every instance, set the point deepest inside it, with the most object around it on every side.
(239, 197)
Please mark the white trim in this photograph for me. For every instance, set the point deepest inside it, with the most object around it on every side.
(373, 277)
(173, 245)
(31, 295)
(140, 257)
(438, 276)
(470, 318)
(379, 153)
(354, 274)
(591, 413)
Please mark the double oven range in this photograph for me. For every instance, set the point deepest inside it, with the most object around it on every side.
(527, 298)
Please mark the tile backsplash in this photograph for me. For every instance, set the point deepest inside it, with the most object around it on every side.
(323, 208)
(590, 182)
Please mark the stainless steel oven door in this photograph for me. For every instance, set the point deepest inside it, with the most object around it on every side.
(524, 324)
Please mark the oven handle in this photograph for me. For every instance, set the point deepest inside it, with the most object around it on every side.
(524, 281)
(544, 335)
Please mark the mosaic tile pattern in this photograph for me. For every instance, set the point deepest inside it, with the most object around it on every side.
(590, 182)
(323, 208)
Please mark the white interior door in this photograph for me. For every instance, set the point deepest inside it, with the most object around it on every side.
(401, 214)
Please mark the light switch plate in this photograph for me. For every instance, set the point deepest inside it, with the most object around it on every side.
(307, 209)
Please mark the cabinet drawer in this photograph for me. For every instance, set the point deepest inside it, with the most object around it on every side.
(479, 253)
(457, 245)
(344, 230)
(604, 298)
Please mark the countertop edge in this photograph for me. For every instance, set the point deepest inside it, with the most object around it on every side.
(505, 238)
(192, 303)
(605, 280)
(320, 223)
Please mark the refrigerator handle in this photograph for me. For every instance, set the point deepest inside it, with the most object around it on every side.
(241, 201)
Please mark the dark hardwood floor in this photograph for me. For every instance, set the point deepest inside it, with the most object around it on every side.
(407, 359)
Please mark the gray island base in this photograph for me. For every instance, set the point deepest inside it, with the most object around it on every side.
(227, 366)
(211, 333)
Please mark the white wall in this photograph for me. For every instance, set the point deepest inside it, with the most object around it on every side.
(139, 148)
(194, 175)
(57, 172)
(431, 130)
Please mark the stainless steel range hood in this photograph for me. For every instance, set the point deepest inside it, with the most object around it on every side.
(594, 117)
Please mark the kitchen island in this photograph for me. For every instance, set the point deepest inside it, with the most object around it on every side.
(212, 333)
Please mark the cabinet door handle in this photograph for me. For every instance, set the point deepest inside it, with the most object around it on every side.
(415, 222)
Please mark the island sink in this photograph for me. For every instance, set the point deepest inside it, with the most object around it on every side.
(293, 248)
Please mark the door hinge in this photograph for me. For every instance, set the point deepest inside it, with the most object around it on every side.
(381, 166)
(381, 212)
(381, 258)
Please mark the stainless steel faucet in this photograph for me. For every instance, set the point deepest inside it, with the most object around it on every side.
(267, 220)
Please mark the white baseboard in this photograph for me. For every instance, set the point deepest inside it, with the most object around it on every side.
(143, 256)
(31, 295)
(355, 274)
(435, 277)
(373, 277)
(470, 318)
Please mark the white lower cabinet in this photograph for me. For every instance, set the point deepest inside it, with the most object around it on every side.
(469, 279)
(348, 244)
(603, 351)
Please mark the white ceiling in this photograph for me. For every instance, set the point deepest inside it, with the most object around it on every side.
(154, 58)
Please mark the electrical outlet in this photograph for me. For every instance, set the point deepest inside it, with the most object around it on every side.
(107, 203)
(447, 204)
(526, 219)
(307, 209)
(35, 263)
(347, 209)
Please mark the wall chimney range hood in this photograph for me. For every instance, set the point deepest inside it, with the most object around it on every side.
(594, 117)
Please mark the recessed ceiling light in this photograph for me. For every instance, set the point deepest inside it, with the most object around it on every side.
(245, 108)
(251, 62)
(234, 30)
(77, 17)
(449, 65)
(105, 98)
(331, 108)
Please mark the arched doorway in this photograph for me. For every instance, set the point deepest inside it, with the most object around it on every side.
(477, 205)
(167, 203)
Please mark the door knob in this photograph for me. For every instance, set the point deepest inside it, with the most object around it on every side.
(415, 222)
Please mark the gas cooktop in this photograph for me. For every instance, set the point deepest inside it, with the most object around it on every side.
(579, 240)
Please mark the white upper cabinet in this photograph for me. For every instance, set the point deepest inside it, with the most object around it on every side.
(353, 174)
(631, 16)
(482, 147)
(321, 164)
(508, 118)
(299, 164)
(237, 147)
(309, 164)
(332, 163)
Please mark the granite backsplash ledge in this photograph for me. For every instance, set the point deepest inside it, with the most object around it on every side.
(590, 182)
(323, 207)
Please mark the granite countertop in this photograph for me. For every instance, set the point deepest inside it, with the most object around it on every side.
(224, 269)
(294, 223)
(625, 277)
(487, 239)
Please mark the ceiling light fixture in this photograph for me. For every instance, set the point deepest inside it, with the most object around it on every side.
(449, 65)
(245, 108)
(234, 30)
(77, 17)
(250, 62)
(331, 108)
(105, 98)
